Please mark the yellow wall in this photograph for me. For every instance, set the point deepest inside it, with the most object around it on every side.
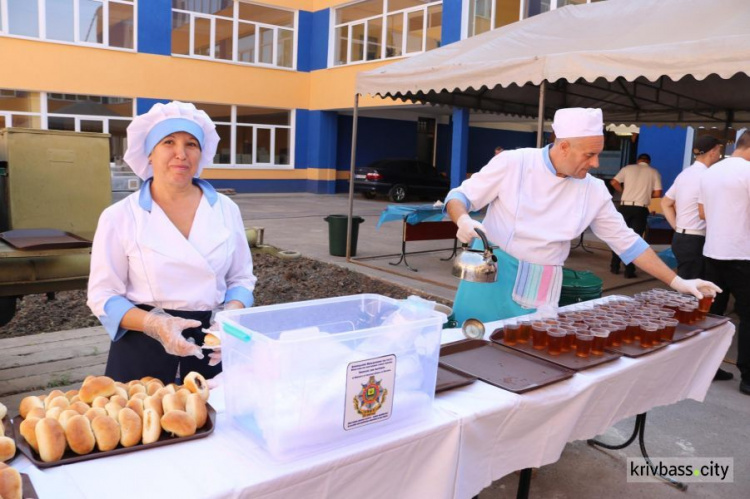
(53, 67)
(334, 88)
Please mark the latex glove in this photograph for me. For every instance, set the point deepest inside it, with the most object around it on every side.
(215, 358)
(232, 305)
(466, 228)
(695, 287)
(167, 330)
(215, 381)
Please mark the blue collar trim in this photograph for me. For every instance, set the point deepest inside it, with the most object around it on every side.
(146, 201)
(547, 161)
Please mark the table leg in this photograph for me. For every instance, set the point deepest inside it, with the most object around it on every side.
(452, 255)
(640, 431)
(524, 484)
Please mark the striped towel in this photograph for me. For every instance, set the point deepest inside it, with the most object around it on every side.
(537, 285)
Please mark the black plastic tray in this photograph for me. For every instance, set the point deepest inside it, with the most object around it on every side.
(70, 457)
(28, 488)
(634, 349)
(501, 366)
(448, 379)
(566, 359)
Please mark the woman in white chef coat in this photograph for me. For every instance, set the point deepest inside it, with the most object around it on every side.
(538, 201)
(168, 255)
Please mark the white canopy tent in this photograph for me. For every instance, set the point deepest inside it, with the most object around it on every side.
(641, 61)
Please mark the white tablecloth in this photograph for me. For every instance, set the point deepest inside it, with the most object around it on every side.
(477, 434)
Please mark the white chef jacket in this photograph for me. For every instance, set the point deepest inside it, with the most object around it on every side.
(725, 196)
(640, 181)
(684, 192)
(140, 257)
(533, 214)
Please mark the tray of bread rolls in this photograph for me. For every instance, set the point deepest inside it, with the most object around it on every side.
(106, 418)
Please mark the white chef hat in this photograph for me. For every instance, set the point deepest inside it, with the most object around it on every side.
(578, 122)
(146, 130)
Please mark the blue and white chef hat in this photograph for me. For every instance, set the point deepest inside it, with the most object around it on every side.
(146, 130)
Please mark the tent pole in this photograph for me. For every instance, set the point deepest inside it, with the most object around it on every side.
(540, 120)
(351, 180)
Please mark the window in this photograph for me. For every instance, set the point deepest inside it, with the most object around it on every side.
(227, 30)
(107, 23)
(255, 137)
(20, 109)
(486, 15)
(381, 29)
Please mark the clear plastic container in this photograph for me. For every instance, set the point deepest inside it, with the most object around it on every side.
(309, 376)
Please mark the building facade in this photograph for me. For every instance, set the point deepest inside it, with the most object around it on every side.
(277, 77)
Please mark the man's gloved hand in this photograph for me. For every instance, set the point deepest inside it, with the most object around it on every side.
(695, 287)
(466, 228)
(167, 330)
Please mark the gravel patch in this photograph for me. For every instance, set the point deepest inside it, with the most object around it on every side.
(279, 281)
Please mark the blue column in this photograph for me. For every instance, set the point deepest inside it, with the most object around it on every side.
(312, 40)
(666, 146)
(155, 27)
(143, 104)
(316, 146)
(451, 31)
(459, 145)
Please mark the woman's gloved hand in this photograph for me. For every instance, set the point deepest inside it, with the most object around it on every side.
(215, 356)
(467, 228)
(167, 330)
(695, 287)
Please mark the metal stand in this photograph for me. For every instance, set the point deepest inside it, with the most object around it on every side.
(402, 256)
(580, 244)
(639, 430)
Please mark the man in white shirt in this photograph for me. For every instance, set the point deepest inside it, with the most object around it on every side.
(538, 200)
(724, 203)
(638, 184)
(680, 206)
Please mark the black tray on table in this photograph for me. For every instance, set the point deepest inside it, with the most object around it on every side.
(634, 349)
(448, 379)
(568, 360)
(28, 488)
(70, 457)
(7, 430)
(41, 239)
(500, 366)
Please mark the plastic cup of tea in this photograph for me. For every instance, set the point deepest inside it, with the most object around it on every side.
(583, 344)
(670, 325)
(539, 335)
(555, 336)
(600, 340)
(510, 333)
(648, 331)
(524, 331)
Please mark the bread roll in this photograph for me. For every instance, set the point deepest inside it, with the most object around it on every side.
(131, 429)
(113, 409)
(171, 402)
(123, 401)
(3, 410)
(153, 386)
(100, 386)
(172, 387)
(196, 407)
(79, 435)
(122, 385)
(178, 423)
(53, 412)
(106, 432)
(61, 402)
(161, 392)
(94, 412)
(65, 417)
(75, 399)
(137, 406)
(88, 378)
(211, 340)
(100, 402)
(141, 395)
(139, 388)
(80, 407)
(120, 392)
(7, 448)
(52, 396)
(28, 431)
(196, 383)
(29, 403)
(146, 379)
(37, 412)
(51, 440)
(183, 394)
(151, 426)
(10, 483)
(153, 403)
(134, 383)
(70, 394)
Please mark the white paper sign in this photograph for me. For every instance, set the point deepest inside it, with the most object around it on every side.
(369, 391)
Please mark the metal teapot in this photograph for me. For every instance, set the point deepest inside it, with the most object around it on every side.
(476, 265)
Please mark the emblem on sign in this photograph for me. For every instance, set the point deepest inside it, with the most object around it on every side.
(370, 398)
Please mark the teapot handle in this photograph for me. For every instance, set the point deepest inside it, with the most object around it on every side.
(486, 243)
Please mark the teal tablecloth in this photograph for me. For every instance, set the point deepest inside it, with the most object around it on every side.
(414, 213)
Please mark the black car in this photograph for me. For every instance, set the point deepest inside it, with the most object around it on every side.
(400, 177)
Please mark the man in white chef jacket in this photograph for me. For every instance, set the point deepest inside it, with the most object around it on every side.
(538, 200)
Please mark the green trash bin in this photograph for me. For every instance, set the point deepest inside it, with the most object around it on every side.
(337, 234)
(579, 286)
